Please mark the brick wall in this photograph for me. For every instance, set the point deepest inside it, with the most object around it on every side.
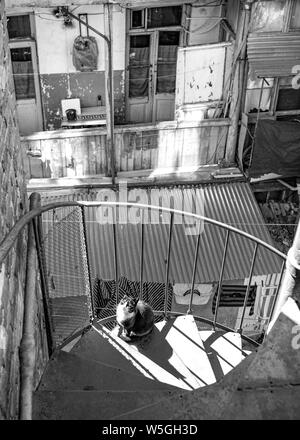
(13, 203)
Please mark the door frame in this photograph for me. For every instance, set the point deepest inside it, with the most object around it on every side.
(154, 35)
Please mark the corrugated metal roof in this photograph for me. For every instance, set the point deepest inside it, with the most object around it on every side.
(273, 54)
(231, 203)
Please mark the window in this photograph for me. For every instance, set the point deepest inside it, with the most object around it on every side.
(288, 98)
(268, 16)
(137, 19)
(162, 17)
(295, 16)
(18, 26)
(276, 16)
(139, 66)
(23, 72)
(153, 18)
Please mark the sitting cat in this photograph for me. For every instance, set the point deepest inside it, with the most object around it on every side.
(135, 317)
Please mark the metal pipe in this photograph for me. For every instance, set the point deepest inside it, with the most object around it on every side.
(221, 277)
(109, 87)
(35, 198)
(194, 271)
(290, 286)
(277, 291)
(116, 257)
(27, 347)
(248, 287)
(142, 255)
(92, 309)
(168, 263)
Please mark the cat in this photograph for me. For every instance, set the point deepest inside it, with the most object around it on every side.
(135, 317)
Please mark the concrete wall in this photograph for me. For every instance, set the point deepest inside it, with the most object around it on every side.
(13, 203)
(58, 76)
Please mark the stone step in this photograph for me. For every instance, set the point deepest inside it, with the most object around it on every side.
(69, 372)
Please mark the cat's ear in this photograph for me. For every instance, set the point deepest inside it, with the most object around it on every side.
(136, 300)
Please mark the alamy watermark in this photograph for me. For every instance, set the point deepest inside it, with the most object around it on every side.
(296, 338)
(170, 198)
(296, 78)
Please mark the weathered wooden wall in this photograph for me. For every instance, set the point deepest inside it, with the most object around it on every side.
(79, 153)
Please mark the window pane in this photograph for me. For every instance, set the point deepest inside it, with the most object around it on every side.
(137, 19)
(268, 16)
(18, 26)
(23, 73)
(139, 66)
(288, 99)
(161, 17)
(166, 62)
(295, 19)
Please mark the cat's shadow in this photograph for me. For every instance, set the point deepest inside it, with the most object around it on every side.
(155, 347)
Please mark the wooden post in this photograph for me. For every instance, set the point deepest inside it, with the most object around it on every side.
(109, 90)
(238, 81)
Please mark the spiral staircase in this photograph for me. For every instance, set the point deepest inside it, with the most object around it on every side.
(188, 367)
(100, 376)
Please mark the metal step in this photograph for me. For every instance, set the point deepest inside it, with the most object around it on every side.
(69, 372)
(94, 405)
(224, 350)
(154, 356)
(185, 340)
(93, 347)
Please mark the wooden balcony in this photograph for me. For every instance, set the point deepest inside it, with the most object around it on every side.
(153, 149)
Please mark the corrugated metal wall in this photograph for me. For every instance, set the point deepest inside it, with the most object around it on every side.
(273, 54)
(231, 203)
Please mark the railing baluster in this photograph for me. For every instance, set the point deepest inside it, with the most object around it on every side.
(168, 263)
(142, 255)
(194, 270)
(115, 253)
(221, 276)
(88, 261)
(248, 287)
(277, 291)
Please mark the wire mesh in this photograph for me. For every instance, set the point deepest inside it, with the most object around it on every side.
(66, 270)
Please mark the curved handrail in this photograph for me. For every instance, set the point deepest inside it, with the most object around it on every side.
(10, 238)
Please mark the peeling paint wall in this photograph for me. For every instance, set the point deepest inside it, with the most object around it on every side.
(58, 76)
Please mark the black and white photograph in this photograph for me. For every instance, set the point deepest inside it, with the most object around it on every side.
(149, 215)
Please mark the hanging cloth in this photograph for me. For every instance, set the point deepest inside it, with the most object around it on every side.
(85, 53)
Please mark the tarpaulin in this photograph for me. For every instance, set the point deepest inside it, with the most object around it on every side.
(276, 149)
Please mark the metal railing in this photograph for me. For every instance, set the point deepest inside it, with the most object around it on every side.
(35, 216)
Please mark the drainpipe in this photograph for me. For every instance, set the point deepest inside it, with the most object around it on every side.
(290, 285)
(27, 347)
(239, 64)
(108, 80)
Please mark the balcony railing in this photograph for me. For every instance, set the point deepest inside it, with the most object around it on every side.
(166, 145)
(71, 262)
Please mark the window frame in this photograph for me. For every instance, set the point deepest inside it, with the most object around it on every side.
(145, 16)
(32, 25)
